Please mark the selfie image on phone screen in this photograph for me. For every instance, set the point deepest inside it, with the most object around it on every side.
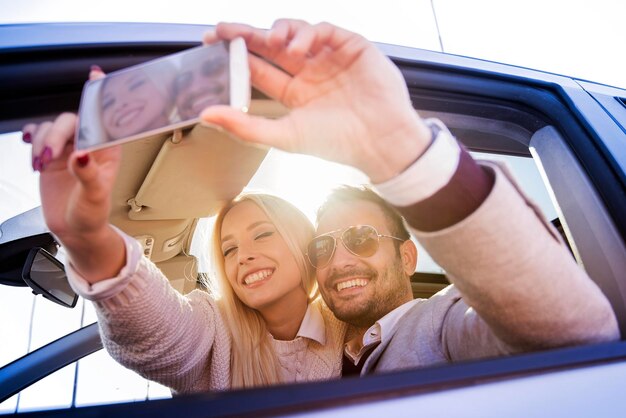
(201, 82)
(138, 101)
(158, 96)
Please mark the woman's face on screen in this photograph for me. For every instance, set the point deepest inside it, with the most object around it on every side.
(132, 103)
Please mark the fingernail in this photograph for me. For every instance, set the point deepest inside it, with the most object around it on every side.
(96, 68)
(37, 164)
(83, 160)
(27, 137)
(46, 156)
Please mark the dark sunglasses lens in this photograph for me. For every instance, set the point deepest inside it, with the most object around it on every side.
(320, 250)
(362, 240)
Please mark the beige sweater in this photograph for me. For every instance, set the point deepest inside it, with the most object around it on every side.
(182, 341)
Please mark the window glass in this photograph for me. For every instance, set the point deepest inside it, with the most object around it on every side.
(19, 185)
(51, 321)
(9, 406)
(102, 380)
(528, 177)
(34, 321)
(16, 308)
(98, 380)
(51, 392)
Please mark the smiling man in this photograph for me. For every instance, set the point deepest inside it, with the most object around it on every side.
(461, 213)
(460, 210)
(364, 259)
(516, 285)
(358, 292)
(202, 81)
(361, 292)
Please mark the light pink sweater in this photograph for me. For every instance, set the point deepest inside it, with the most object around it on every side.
(183, 342)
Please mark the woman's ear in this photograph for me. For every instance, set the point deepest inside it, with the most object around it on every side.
(408, 253)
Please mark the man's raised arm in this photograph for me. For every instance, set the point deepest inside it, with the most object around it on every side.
(350, 104)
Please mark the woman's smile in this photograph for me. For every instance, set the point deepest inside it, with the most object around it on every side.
(128, 116)
(257, 278)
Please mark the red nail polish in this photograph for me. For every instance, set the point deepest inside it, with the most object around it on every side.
(46, 156)
(83, 160)
(96, 68)
(26, 137)
(37, 164)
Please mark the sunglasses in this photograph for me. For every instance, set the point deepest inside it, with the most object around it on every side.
(360, 240)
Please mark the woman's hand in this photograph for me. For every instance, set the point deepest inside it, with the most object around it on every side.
(348, 102)
(75, 189)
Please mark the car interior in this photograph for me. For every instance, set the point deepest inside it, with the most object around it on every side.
(168, 182)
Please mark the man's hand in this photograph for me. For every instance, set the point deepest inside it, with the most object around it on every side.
(348, 102)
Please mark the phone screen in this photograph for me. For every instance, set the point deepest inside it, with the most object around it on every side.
(157, 96)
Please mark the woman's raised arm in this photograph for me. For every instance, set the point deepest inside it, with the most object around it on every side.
(75, 189)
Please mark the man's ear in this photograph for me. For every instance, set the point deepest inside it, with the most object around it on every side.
(408, 253)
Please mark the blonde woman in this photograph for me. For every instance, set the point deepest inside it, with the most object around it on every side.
(267, 327)
(279, 328)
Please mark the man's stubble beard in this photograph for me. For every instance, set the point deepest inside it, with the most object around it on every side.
(388, 294)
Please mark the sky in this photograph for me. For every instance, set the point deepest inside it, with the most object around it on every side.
(578, 38)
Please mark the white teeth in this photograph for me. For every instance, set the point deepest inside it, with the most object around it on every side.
(351, 283)
(256, 276)
(127, 117)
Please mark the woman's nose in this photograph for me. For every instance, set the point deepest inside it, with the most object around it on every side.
(245, 254)
(245, 259)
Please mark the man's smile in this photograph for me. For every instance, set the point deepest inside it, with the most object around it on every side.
(351, 284)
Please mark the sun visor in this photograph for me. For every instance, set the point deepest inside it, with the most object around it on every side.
(194, 174)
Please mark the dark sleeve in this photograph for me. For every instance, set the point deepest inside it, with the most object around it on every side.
(465, 192)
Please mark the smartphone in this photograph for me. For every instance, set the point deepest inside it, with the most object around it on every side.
(162, 95)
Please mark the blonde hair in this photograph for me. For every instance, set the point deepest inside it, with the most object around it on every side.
(253, 360)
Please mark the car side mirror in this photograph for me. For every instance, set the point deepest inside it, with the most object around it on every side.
(46, 276)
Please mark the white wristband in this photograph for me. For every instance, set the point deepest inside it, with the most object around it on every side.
(428, 174)
(107, 288)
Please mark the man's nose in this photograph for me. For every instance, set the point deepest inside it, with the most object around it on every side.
(342, 257)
